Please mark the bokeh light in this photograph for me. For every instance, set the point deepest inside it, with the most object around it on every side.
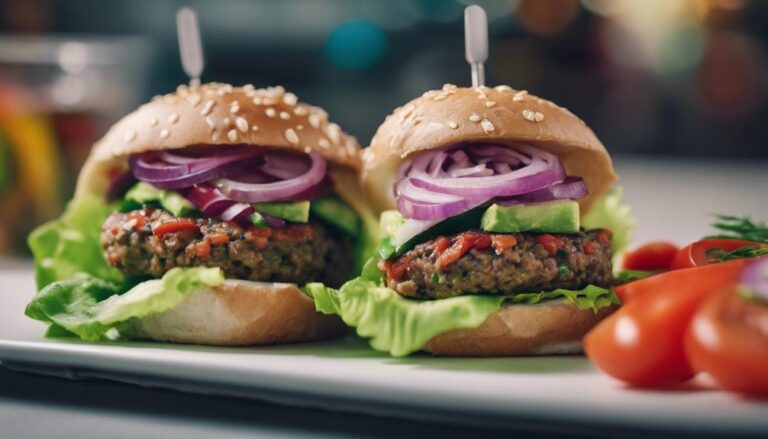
(356, 45)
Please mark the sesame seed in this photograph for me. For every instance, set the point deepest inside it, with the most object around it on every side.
(519, 96)
(538, 117)
(452, 125)
(448, 86)
(290, 99)
(489, 104)
(474, 118)
(440, 97)
(153, 122)
(300, 110)
(334, 132)
(164, 134)
(323, 143)
(299, 127)
(307, 149)
(435, 125)
(528, 115)
(416, 120)
(234, 107)
(232, 135)
(194, 99)
(210, 122)
(248, 87)
(173, 118)
(482, 96)
(291, 136)
(501, 88)
(257, 100)
(271, 112)
(254, 128)
(487, 126)
(129, 136)
(284, 115)
(207, 107)
(226, 121)
(314, 120)
(215, 135)
(406, 112)
(242, 124)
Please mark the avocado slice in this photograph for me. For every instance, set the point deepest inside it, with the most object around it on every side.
(144, 193)
(337, 213)
(291, 211)
(553, 217)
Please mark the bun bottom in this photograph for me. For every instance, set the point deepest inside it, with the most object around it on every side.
(239, 313)
(548, 328)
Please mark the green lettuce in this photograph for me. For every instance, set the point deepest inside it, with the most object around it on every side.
(612, 214)
(93, 308)
(69, 245)
(402, 326)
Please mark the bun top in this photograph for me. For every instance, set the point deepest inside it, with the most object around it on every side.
(220, 114)
(501, 115)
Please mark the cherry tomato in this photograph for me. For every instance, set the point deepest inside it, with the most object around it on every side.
(651, 256)
(642, 343)
(728, 339)
(707, 251)
(172, 226)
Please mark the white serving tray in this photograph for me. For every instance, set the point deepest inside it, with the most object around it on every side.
(346, 375)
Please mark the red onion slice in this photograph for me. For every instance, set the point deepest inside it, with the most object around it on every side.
(209, 200)
(755, 277)
(280, 190)
(572, 188)
(237, 212)
(152, 169)
(439, 184)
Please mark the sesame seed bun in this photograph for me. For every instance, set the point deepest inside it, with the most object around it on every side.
(548, 328)
(239, 313)
(500, 115)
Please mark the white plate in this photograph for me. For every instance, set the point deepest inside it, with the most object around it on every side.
(346, 375)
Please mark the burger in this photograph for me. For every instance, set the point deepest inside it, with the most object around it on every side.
(498, 228)
(198, 217)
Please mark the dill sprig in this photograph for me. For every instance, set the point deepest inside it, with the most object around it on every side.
(735, 227)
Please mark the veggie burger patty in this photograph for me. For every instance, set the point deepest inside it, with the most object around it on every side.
(149, 242)
(477, 262)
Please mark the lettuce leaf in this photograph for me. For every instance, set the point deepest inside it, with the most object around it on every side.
(402, 326)
(612, 214)
(93, 308)
(69, 245)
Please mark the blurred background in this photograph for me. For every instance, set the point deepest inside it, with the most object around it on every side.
(674, 78)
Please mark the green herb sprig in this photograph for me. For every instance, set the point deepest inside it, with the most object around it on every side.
(735, 227)
(743, 252)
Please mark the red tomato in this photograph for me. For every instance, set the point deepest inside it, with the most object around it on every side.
(707, 251)
(172, 226)
(651, 256)
(728, 338)
(642, 343)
